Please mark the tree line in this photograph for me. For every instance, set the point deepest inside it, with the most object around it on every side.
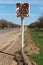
(7, 24)
(37, 24)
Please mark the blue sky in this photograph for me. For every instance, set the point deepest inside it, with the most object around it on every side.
(8, 10)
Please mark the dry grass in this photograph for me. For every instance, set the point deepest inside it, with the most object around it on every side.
(30, 46)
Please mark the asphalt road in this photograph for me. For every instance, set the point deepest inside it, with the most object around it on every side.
(8, 30)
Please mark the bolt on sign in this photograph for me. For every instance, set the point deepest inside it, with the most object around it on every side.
(22, 10)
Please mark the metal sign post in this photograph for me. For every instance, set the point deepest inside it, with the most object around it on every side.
(22, 33)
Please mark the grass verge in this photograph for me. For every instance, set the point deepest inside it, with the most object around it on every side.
(37, 37)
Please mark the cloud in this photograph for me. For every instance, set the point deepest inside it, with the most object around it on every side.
(36, 1)
(1, 8)
(35, 15)
(21, 1)
(13, 1)
(8, 14)
(41, 8)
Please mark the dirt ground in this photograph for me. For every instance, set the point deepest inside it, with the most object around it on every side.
(30, 46)
(10, 43)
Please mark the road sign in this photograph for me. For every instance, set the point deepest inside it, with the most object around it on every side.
(22, 10)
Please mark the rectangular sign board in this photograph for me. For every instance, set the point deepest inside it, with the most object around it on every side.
(22, 10)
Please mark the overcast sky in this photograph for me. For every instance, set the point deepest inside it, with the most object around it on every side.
(8, 10)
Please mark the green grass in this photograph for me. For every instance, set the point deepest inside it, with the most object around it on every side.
(37, 37)
(1, 28)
